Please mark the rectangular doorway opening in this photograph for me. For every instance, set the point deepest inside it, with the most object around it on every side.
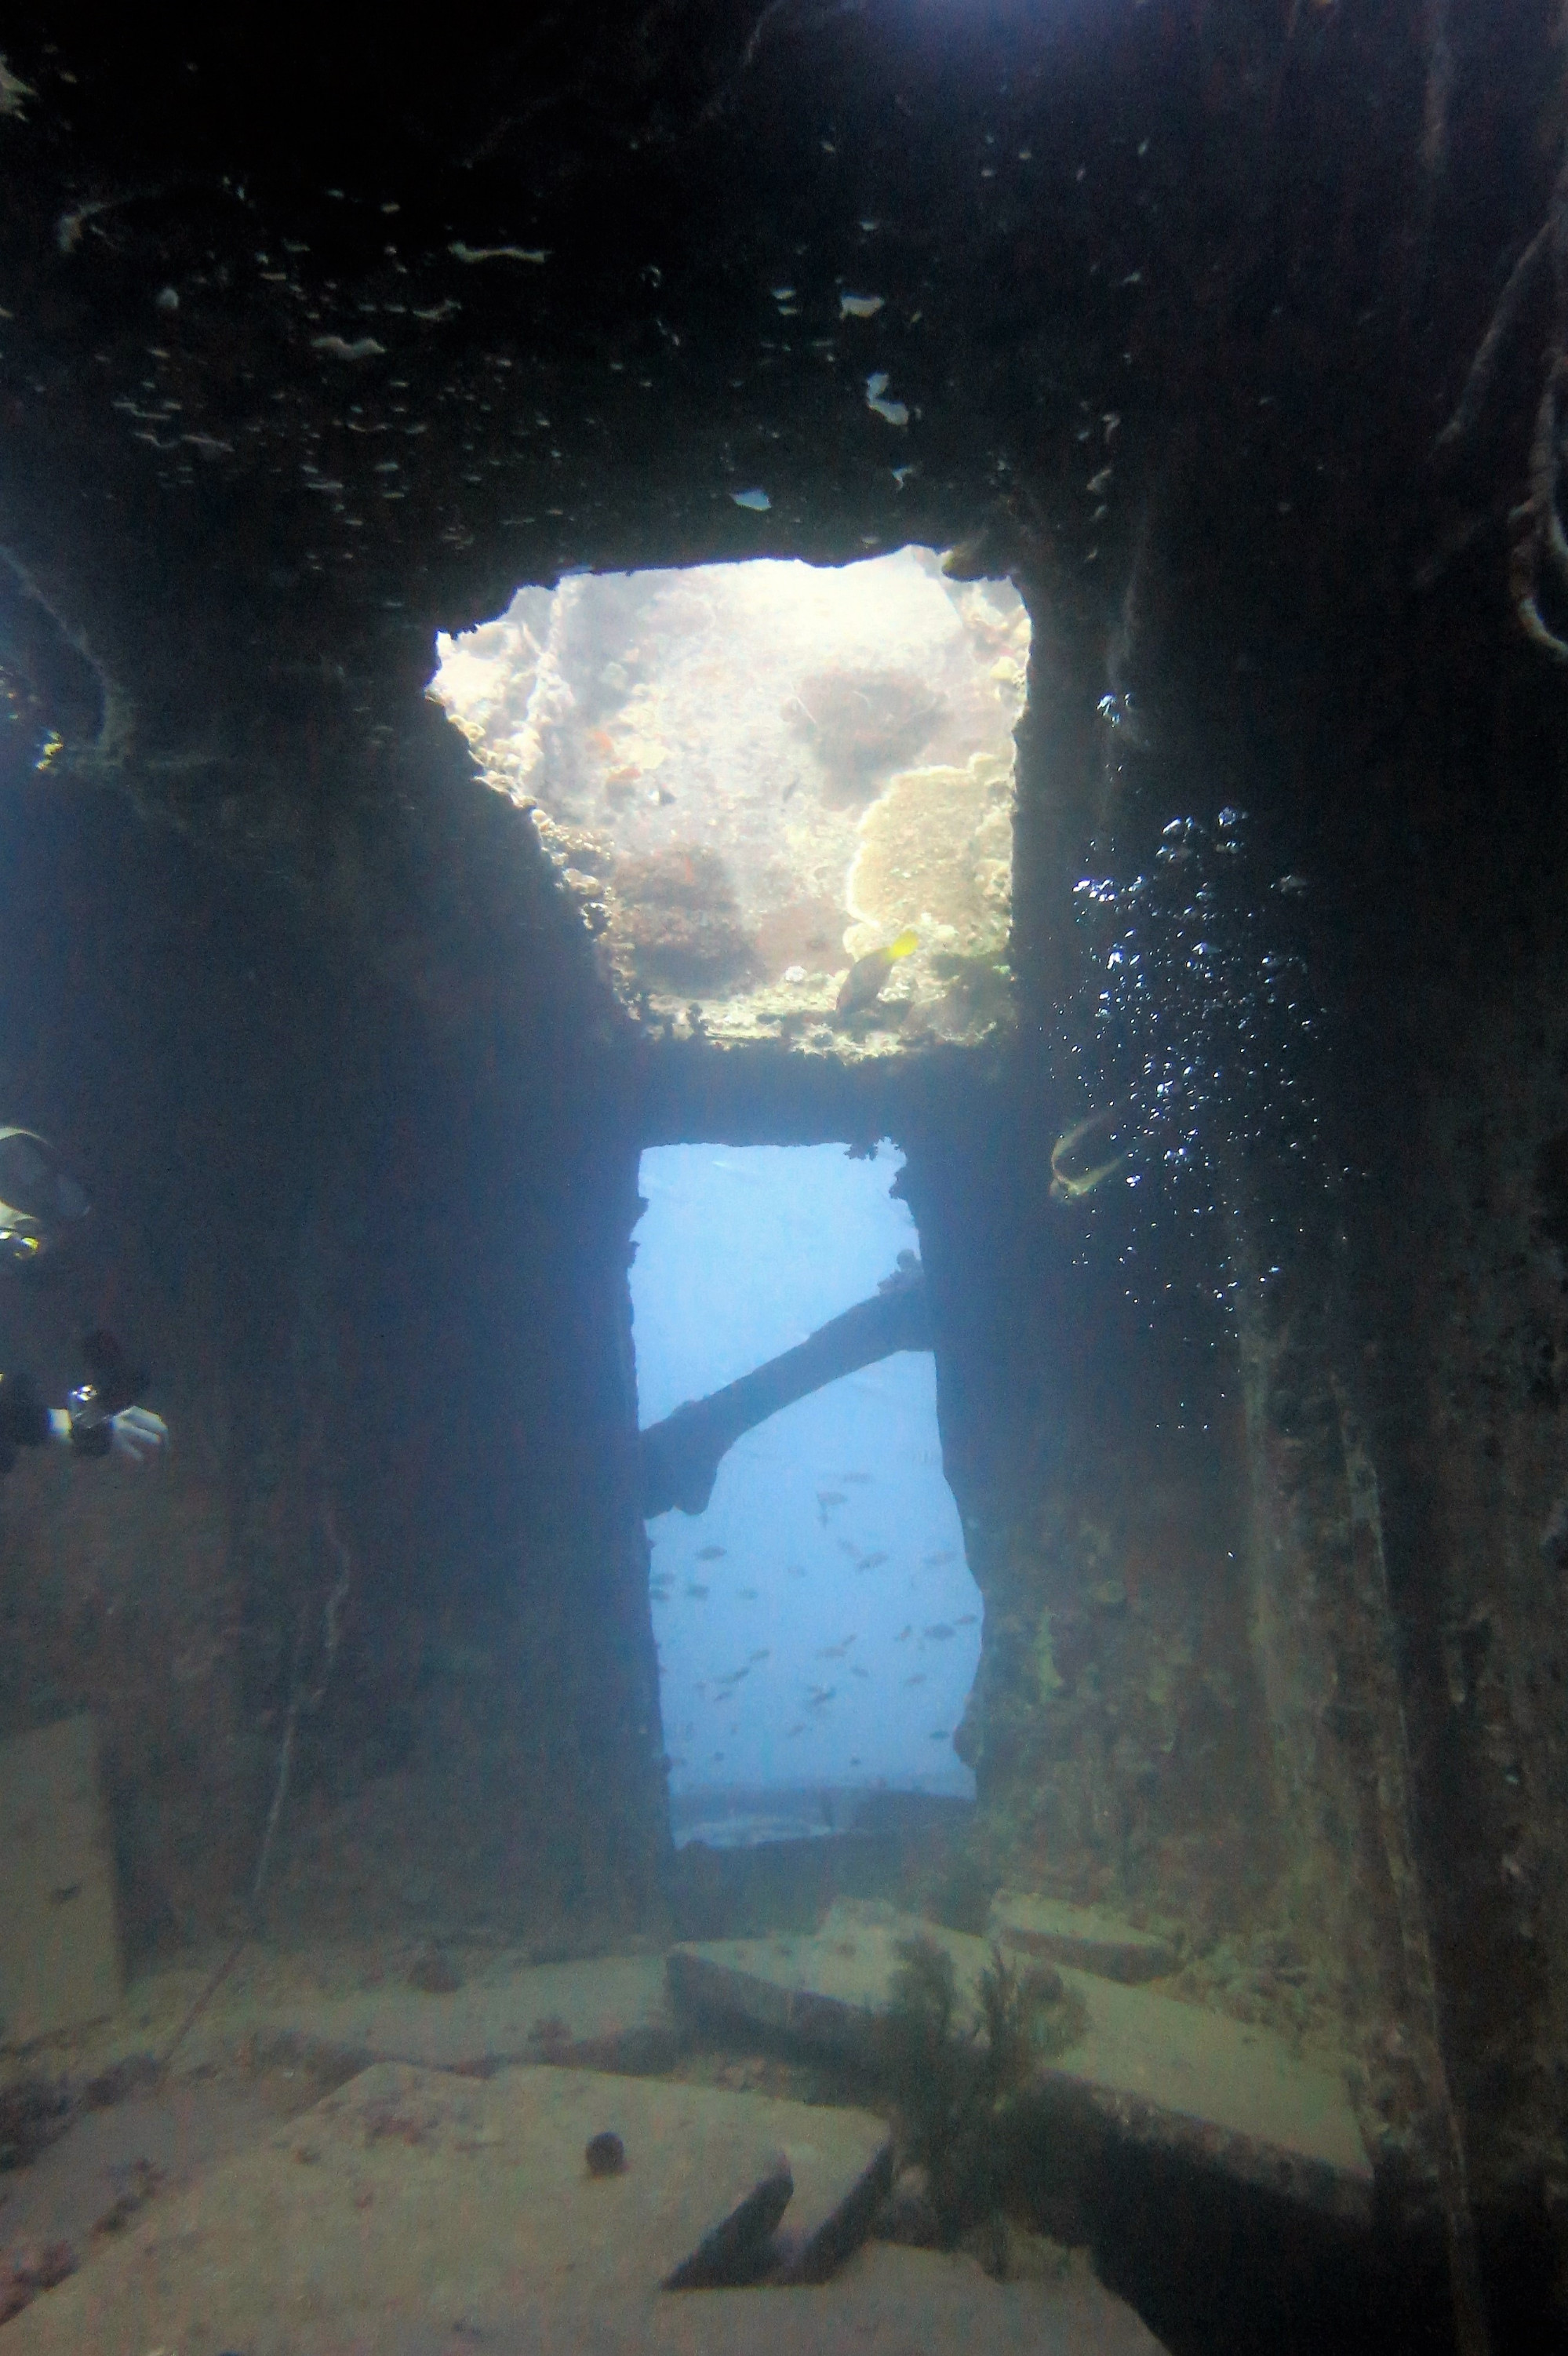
(817, 1626)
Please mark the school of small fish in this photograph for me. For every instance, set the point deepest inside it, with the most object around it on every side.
(817, 1703)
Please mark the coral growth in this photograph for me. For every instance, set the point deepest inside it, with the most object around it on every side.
(675, 922)
(936, 852)
(860, 723)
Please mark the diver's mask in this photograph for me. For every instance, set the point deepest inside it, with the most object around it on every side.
(40, 1202)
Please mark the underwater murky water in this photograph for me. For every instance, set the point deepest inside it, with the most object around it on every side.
(698, 1649)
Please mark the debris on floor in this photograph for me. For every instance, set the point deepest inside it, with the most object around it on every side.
(1084, 1936)
(410, 2192)
(1160, 2071)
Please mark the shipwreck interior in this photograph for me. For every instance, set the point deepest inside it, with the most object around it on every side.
(977, 586)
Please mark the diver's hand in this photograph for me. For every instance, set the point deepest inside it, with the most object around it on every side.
(137, 1434)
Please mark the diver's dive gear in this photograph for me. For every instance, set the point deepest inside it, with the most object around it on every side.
(40, 1201)
(111, 1384)
(101, 1417)
(90, 1433)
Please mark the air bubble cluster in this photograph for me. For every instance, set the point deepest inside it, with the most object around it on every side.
(1206, 1029)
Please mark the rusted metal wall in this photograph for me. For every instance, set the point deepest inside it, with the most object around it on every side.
(372, 1241)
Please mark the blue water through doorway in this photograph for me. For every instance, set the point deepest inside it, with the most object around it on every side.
(817, 1626)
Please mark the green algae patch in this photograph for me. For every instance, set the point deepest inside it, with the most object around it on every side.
(1048, 1677)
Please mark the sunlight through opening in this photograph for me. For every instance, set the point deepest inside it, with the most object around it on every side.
(781, 794)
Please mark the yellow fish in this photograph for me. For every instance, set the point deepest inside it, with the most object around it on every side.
(1069, 1183)
(866, 978)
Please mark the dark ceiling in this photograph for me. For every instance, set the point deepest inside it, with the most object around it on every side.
(314, 341)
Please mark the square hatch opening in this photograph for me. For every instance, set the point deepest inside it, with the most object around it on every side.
(781, 795)
(817, 1626)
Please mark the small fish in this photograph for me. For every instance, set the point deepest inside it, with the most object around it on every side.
(820, 1695)
(363, 348)
(872, 1561)
(856, 1671)
(757, 500)
(826, 1500)
(847, 1546)
(747, 1594)
(793, 1571)
(859, 1477)
(766, 1654)
(941, 1734)
(709, 1554)
(462, 252)
(835, 1652)
(701, 1593)
(918, 1679)
(965, 1620)
(932, 1560)
(939, 1631)
(905, 1633)
(867, 976)
(1070, 1181)
(791, 1732)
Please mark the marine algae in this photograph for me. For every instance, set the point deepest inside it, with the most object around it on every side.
(1048, 1677)
(961, 2087)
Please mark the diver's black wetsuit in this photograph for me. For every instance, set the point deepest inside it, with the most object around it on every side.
(24, 1419)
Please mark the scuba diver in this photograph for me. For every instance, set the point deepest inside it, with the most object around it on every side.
(41, 1205)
